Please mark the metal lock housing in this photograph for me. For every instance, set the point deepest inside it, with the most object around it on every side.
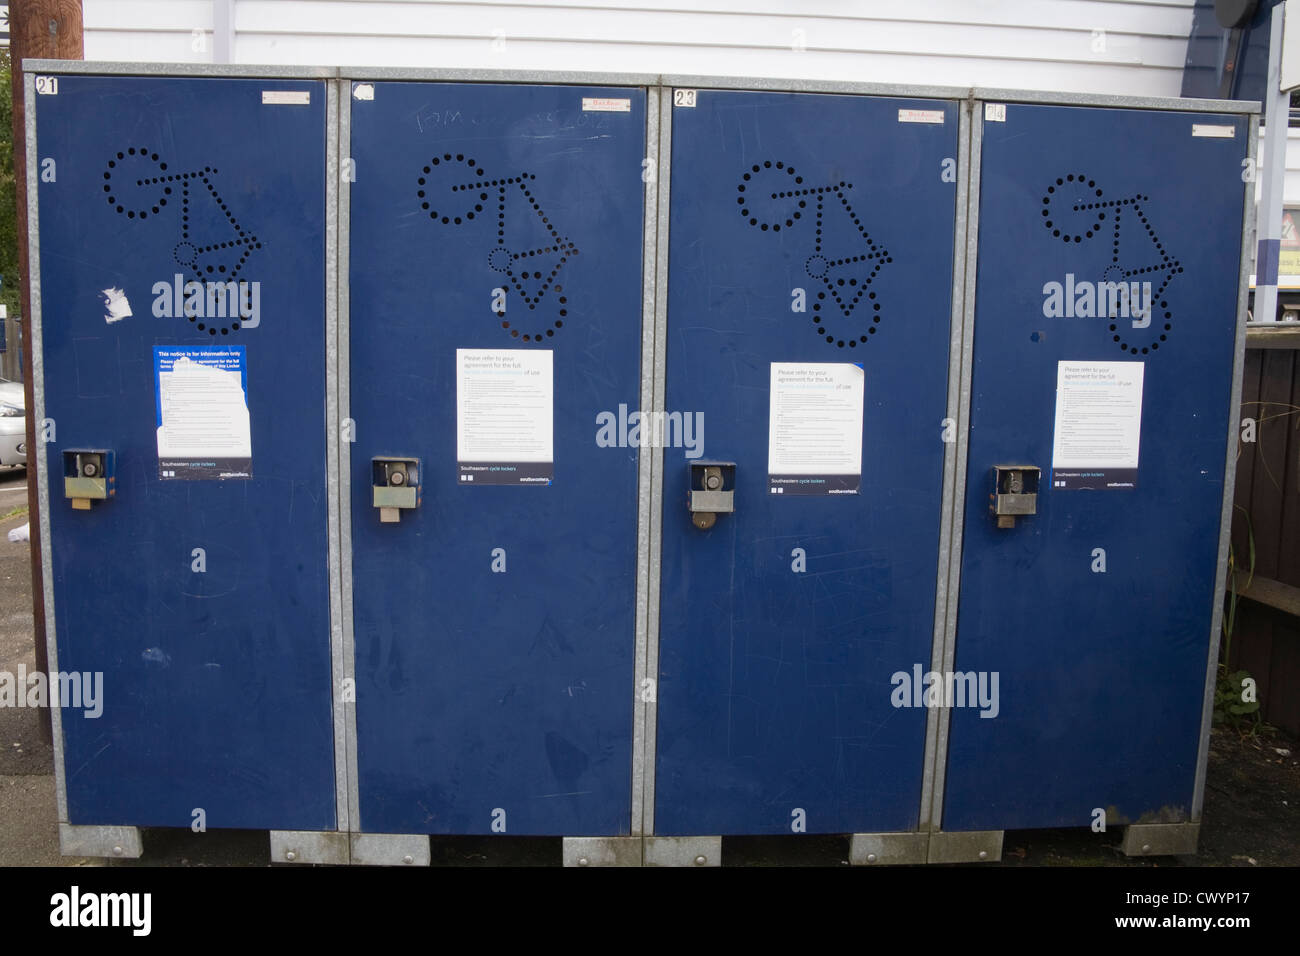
(88, 475)
(395, 486)
(1015, 493)
(712, 491)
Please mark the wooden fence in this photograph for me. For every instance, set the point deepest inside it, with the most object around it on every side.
(1266, 633)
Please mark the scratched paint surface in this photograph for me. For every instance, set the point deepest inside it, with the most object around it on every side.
(774, 685)
(216, 687)
(495, 698)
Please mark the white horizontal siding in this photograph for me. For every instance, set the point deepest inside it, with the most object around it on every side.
(1112, 46)
(1291, 188)
(158, 31)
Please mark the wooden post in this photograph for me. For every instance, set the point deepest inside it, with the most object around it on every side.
(48, 29)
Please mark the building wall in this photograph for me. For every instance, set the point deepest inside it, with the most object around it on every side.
(1109, 46)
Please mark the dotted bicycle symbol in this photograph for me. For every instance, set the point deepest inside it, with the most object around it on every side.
(773, 196)
(138, 184)
(463, 193)
(1083, 216)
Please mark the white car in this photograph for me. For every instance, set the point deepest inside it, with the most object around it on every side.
(13, 424)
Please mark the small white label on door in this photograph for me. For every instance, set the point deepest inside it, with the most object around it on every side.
(920, 116)
(606, 104)
(1217, 132)
(995, 112)
(286, 97)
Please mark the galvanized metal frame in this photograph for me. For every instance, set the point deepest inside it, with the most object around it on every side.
(1172, 104)
(683, 851)
(339, 667)
(933, 815)
(390, 849)
(122, 843)
(309, 846)
(755, 84)
(936, 724)
(889, 849)
(1160, 839)
(178, 70)
(656, 456)
(643, 695)
(343, 384)
(602, 851)
(38, 395)
(1229, 479)
(379, 74)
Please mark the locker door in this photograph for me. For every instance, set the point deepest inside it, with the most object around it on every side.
(182, 291)
(496, 235)
(1105, 319)
(810, 275)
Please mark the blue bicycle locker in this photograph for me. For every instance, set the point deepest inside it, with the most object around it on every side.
(811, 250)
(1106, 311)
(182, 233)
(495, 279)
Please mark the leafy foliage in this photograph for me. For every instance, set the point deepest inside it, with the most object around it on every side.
(11, 286)
(1230, 707)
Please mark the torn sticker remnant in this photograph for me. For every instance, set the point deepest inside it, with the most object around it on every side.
(116, 304)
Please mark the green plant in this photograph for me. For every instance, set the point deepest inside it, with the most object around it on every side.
(1230, 706)
(11, 285)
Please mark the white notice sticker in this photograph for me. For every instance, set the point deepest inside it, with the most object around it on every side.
(201, 412)
(1213, 130)
(814, 437)
(1098, 424)
(505, 417)
(995, 112)
(286, 97)
(920, 116)
(606, 104)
